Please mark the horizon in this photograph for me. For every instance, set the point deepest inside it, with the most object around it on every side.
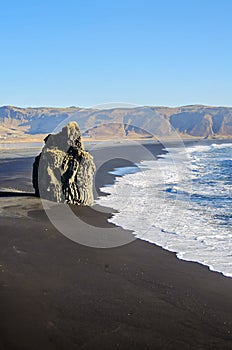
(115, 103)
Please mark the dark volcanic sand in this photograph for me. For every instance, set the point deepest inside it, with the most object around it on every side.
(57, 294)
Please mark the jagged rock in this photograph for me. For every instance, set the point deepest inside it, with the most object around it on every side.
(63, 171)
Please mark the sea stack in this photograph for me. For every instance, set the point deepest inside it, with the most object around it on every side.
(63, 171)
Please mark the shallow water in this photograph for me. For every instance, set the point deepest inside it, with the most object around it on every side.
(181, 202)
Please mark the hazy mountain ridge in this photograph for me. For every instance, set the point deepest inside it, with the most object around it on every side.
(194, 120)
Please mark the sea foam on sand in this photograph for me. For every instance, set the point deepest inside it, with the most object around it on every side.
(176, 203)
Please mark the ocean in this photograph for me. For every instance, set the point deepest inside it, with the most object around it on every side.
(181, 202)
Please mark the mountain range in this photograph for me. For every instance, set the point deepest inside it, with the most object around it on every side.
(20, 124)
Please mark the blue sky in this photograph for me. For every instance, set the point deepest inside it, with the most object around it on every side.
(83, 53)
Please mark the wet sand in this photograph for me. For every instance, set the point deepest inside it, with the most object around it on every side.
(57, 294)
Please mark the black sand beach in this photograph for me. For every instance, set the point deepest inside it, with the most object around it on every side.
(57, 294)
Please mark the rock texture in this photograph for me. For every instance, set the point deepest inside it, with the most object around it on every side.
(63, 171)
(196, 121)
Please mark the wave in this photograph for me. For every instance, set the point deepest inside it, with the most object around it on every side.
(206, 148)
(180, 203)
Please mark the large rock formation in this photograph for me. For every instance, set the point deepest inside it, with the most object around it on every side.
(198, 121)
(63, 171)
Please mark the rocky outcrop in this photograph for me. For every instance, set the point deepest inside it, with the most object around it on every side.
(63, 171)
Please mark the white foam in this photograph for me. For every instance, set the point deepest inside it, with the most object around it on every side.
(221, 145)
(148, 204)
(206, 148)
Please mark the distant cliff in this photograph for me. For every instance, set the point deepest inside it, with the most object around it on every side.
(195, 121)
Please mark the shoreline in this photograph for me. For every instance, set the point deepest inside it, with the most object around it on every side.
(69, 296)
(156, 156)
(152, 152)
